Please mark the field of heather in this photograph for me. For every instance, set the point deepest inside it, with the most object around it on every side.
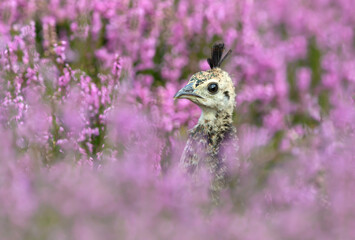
(91, 136)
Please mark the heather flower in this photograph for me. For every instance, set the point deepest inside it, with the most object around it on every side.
(90, 137)
(303, 77)
(274, 121)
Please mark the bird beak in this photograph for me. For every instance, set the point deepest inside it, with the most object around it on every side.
(186, 92)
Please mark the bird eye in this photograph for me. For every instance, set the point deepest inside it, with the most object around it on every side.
(212, 88)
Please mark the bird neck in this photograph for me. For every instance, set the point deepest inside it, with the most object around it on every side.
(215, 120)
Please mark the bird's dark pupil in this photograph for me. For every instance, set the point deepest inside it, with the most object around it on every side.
(212, 88)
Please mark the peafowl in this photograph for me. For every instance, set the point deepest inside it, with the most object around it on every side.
(213, 91)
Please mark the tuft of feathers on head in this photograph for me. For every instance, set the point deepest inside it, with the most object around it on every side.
(216, 55)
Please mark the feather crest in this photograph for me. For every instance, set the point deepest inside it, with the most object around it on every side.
(216, 55)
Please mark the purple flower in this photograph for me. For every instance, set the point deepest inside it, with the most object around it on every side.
(91, 138)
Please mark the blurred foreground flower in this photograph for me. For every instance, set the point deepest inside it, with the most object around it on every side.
(90, 137)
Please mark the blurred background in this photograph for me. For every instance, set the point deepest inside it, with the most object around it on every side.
(90, 136)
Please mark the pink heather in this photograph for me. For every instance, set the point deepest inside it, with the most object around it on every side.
(90, 136)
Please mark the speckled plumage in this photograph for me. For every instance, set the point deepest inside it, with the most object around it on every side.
(214, 138)
(208, 145)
